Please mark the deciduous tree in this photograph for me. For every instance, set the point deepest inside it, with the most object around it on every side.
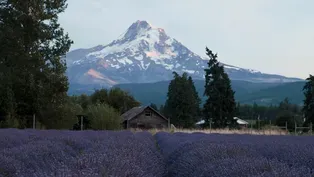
(32, 43)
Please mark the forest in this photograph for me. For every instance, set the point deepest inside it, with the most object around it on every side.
(34, 84)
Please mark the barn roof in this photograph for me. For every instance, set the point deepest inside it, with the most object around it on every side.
(130, 114)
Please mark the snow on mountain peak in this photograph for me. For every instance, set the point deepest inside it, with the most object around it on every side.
(140, 41)
(145, 54)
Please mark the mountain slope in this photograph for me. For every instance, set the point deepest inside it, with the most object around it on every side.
(156, 93)
(145, 54)
(246, 92)
(274, 95)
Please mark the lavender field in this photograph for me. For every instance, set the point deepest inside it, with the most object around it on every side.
(53, 153)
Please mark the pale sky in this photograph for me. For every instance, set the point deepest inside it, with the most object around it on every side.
(272, 36)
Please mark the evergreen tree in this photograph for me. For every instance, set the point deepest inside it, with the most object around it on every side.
(32, 71)
(220, 105)
(288, 113)
(285, 104)
(154, 106)
(308, 106)
(182, 105)
(238, 107)
(195, 101)
(161, 109)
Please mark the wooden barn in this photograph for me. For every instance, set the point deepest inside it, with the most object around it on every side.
(144, 117)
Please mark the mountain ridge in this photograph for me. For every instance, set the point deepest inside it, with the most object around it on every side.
(147, 54)
(245, 92)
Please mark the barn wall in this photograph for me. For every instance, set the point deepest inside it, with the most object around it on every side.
(143, 121)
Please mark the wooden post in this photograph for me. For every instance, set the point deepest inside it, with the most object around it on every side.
(295, 128)
(127, 124)
(81, 123)
(259, 122)
(34, 121)
(286, 126)
(169, 126)
(251, 128)
(311, 127)
(270, 127)
(210, 126)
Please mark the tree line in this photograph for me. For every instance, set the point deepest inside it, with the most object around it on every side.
(32, 71)
(184, 108)
(33, 81)
(102, 109)
(183, 103)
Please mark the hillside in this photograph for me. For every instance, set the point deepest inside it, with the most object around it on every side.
(156, 93)
(246, 92)
(274, 95)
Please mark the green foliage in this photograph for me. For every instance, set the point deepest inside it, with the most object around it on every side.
(278, 115)
(152, 105)
(101, 105)
(161, 109)
(104, 117)
(32, 73)
(11, 122)
(60, 117)
(100, 96)
(84, 101)
(182, 104)
(308, 108)
(121, 100)
(220, 106)
(289, 113)
(287, 117)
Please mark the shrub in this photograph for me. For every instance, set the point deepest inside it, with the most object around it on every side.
(60, 117)
(11, 122)
(103, 117)
(288, 117)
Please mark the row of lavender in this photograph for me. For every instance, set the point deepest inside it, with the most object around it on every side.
(217, 155)
(28, 153)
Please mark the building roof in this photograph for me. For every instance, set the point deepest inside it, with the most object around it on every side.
(239, 121)
(130, 114)
(200, 122)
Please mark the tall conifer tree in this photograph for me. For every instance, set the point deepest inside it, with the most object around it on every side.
(220, 105)
(308, 106)
(182, 105)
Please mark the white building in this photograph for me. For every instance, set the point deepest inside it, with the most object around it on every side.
(239, 121)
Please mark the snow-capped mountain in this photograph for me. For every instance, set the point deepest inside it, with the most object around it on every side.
(146, 54)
